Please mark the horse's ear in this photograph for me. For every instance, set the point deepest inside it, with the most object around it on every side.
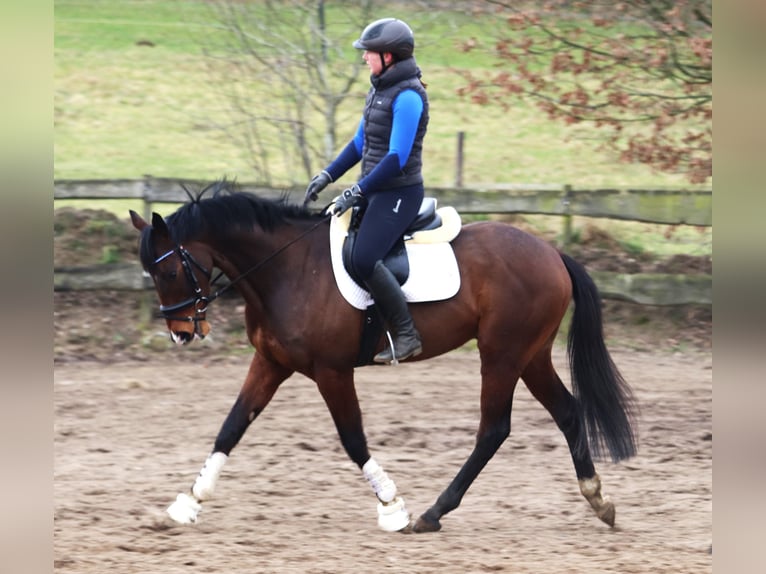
(159, 225)
(138, 221)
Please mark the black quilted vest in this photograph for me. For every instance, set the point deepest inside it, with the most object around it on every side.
(378, 119)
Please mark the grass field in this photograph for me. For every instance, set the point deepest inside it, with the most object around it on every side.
(132, 96)
(124, 108)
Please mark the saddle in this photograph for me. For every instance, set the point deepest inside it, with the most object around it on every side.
(434, 274)
(446, 221)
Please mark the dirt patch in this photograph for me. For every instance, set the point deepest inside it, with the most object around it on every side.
(128, 436)
(109, 326)
(92, 236)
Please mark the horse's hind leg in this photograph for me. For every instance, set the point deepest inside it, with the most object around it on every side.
(498, 384)
(546, 386)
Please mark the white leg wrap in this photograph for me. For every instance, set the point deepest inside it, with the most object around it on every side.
(392, 514)
(384, 487)
(184, 510)
(204, 486)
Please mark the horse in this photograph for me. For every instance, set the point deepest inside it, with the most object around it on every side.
(515, 289)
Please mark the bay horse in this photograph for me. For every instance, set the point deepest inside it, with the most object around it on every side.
(515, 290)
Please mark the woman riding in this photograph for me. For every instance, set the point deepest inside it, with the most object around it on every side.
(389, 143)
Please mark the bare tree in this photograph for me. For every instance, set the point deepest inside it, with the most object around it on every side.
(285, 77)
(285, 69)
(641, 70)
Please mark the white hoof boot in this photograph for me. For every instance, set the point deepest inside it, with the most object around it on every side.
(184, 510)
(393, 516)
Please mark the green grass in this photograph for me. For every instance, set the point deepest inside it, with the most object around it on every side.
(110, 26)
(123, 109)
(660, 240)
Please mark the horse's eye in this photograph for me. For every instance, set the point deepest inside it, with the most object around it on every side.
(169, 275)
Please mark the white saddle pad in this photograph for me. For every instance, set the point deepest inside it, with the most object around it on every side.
(434, 275)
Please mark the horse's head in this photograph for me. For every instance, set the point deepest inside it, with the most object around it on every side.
(181, 275)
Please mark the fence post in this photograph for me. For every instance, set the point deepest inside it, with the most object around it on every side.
(147, 202)
(566, 235)
(459, 160)
(147, 297)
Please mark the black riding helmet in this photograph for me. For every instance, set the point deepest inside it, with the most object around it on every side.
(388, 35)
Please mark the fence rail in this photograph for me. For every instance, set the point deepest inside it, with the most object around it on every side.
(641, 288)
(663, 206)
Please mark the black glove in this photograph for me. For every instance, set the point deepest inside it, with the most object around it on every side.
(317, 184)
(350, 197)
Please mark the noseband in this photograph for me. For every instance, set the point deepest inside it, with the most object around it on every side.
(197, 300)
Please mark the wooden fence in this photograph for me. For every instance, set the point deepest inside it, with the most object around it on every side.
(670, 207)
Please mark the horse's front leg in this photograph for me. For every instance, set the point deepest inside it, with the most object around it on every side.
(339, 393)
(263, 379)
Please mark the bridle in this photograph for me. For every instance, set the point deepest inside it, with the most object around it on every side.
(199, 301)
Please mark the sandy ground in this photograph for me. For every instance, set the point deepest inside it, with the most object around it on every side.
(129, 436)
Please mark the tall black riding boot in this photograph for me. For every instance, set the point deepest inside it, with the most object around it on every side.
(389, 298)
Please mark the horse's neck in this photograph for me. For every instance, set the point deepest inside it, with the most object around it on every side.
(262, 263)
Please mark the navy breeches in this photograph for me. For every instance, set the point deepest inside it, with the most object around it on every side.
(385, 220)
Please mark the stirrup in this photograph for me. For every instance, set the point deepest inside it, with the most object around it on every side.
(388, 356)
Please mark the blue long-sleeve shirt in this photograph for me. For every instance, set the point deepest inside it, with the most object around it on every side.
(407, 109)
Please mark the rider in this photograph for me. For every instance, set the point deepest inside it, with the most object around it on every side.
(389, 143)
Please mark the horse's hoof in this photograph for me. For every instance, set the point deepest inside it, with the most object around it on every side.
(424, 524)
(408, 529)
(606, 513)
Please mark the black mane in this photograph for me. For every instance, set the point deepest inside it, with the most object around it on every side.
(226, 209)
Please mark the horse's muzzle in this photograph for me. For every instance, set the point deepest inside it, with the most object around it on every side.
(181, 334)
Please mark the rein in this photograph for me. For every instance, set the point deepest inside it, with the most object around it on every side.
(201, 302)
(262, 263)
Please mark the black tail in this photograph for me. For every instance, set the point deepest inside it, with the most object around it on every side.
(605, 400)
